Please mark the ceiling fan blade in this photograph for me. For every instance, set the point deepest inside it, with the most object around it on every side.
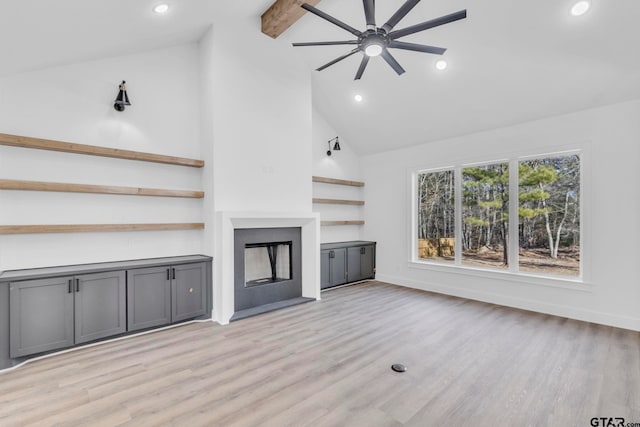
(370, 13)
(325, 43)
(392, 62)
(331, 19)
(428, 24)
(363, 65)
(417, 47)
(400, 13)
(346, 55)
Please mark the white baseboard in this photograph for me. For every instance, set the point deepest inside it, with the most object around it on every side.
(608, 319)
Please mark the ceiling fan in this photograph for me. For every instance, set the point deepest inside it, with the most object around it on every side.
(377, 41)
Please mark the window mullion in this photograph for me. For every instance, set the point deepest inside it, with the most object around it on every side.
(514, 190)
(458, 214)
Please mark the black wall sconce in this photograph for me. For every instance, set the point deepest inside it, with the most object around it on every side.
(336, 146)
(122, 99)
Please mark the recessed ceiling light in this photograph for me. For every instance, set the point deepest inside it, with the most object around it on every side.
(441, 65)
(580, 8)
(161, 9)
(358, 98)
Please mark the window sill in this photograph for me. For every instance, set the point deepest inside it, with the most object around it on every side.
(576, 284)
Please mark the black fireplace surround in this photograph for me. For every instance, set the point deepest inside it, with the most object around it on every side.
(278, 277)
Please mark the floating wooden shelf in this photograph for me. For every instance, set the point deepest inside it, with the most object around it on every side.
(338, 202)
(337, 181)
(328, 223)
(8, 184)
(92, 150)
(85, 228)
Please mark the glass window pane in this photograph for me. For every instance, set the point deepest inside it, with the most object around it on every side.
(436, 219)
(549, 211)
(485, 216)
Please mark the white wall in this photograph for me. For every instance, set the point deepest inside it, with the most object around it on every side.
(343, 164)
(609, 135)
(74, 103)
(261, 121)
(207, 95)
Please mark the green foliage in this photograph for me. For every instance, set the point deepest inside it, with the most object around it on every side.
(530, 213)
(491, 204)
(476, 221)
(486, 175)
(485, 206)
(531, 174)
(533, 195)
(549, 206)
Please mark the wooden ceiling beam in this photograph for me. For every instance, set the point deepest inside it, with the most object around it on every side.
(281, 15)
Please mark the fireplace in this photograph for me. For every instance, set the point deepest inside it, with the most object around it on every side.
(226, 256)
(267, 267)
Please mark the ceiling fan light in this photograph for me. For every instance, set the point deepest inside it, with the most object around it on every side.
(580, 8)
(373, 49)
(161, 9)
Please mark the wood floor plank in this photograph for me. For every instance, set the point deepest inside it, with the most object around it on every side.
(327, 363)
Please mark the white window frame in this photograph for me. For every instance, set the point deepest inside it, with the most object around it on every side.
(512, 274)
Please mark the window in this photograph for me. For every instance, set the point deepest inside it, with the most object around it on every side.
(549, 211)
(520, 215)
(436, 219)
(485, 215)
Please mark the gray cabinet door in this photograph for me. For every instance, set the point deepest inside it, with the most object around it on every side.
(368, 262)
(354, 264)
(325, 270)
(188, 293)
(338, 266)
(148, 298)
(100, 305)
(41, 315)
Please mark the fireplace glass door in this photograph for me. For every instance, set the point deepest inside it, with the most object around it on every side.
(266, 263)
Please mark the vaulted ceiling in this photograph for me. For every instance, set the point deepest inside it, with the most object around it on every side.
(508, 62)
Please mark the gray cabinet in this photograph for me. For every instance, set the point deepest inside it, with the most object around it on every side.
(100, 306)
(148, 298)
(333, 270)
(361, 263)
(41, 315)
(188, 293)
(346, 262)
(161, 295)
(325, 269)
(53, 313)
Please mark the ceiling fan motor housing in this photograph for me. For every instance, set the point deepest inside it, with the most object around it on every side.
(372, 39)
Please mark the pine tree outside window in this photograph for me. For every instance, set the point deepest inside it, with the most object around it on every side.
(485, 216)
(549, 211)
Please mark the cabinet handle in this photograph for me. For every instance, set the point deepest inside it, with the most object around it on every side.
(173, 273)
(77, 285)
(70, 286)
(168, 274)
(332, 254)
(363, 250)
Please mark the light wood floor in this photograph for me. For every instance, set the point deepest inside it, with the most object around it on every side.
(327, 364)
